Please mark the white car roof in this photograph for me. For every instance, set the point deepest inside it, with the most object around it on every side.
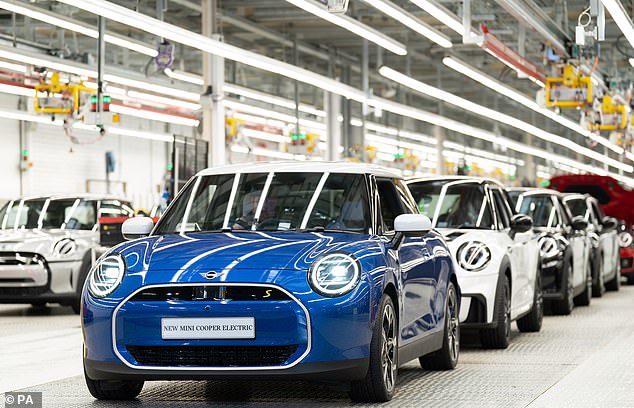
(303, 167)
(466, 179)
(85, 196)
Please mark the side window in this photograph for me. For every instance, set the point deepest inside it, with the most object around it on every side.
(390, 203)
(115, 208)
(407, 202)
(501, 208)
(596, 211)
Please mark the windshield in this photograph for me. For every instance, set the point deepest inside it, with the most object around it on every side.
(70, 214)
(449, 205)
(578, 207)
(270, 202)
(541, 209)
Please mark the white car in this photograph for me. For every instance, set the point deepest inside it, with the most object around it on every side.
(49, 243)
(605, 242)
(496, 254)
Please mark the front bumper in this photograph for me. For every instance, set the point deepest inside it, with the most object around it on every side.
(331, 335)
(552, 279)
(478, 298)
(627, 260)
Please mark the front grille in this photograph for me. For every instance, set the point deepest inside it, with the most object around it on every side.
(28, 291)
(212, 356)
(20, 258)
(16, 280)
(209, 293)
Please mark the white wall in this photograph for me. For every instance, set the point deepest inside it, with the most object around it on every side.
(62, 167)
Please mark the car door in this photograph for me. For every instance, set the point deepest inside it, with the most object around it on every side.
(416, 264)
(608, 239)
(579, 243)
(521, 254)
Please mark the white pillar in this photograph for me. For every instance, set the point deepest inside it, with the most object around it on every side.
(214, 76)
(439, 133)
(333, 110)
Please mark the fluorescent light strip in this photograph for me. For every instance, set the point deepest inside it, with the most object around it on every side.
(441, 14)
(190, 96)
(465, 129)
(411, 21)
(273, 100)
(184, 76)
(267, 153)
(511, 93)
(163, 100)
(13, 67)
(143, 22)
(67, 24)
(161, 117)
(497, 116)
(242, 107)
(621, 18)
(352, 25)
(27, 117)
(17, 90)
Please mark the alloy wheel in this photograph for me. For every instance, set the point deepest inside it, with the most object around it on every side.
(507, 312)
(388, 351)
(570, 288)
(453, 329)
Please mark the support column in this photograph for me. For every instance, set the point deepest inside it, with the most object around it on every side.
(332, 102)
(365, 79)
(214, 77)
(529, 170)
(439, 134)
(333, 110)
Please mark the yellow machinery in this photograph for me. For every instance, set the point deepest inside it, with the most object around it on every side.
(613, 115)
(570, 91)
(58, 98)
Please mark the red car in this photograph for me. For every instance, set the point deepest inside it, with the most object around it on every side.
(616, 200)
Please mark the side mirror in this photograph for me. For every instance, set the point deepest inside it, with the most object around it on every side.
(579, 223)
(412, 224)
(137, 227)
(609, 223)
(521, 223)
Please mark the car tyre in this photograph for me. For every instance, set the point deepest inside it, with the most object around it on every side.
(532, 322)
(615, 284)
(630, 279)
(585, 297)
(447, 357)
(114, 390)
(380, 380)
(566, 305)
(598, 287)
(499, 337)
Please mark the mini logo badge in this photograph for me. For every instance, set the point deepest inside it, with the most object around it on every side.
(211, 275)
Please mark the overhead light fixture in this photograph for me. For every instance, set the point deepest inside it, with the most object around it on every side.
(482, 134)
(28, 117)
(272, 99)
(621, 18)
(492, 83)
(17, 90)
(13, 67)
(255, 110)
(178, 93)
(348, 23)
(411, 21)
(180, 35)
(67, 24)
(498, 116)
(184, 76)
(163, 100)
(152, 115)
(441, 14)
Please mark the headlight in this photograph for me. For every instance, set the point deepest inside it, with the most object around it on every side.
(474, 256)
(548, 247)
(106, 276)
(625, 239)
(334, 274)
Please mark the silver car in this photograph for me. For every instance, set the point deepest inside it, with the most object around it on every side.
(48, 245)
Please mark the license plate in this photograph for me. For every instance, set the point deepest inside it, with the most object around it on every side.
(208, 328)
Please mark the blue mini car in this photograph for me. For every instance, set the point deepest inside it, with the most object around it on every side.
(277, 270)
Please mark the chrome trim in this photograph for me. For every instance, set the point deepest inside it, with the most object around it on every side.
(167, 368)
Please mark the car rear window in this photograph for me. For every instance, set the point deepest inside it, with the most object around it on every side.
(595, 191)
